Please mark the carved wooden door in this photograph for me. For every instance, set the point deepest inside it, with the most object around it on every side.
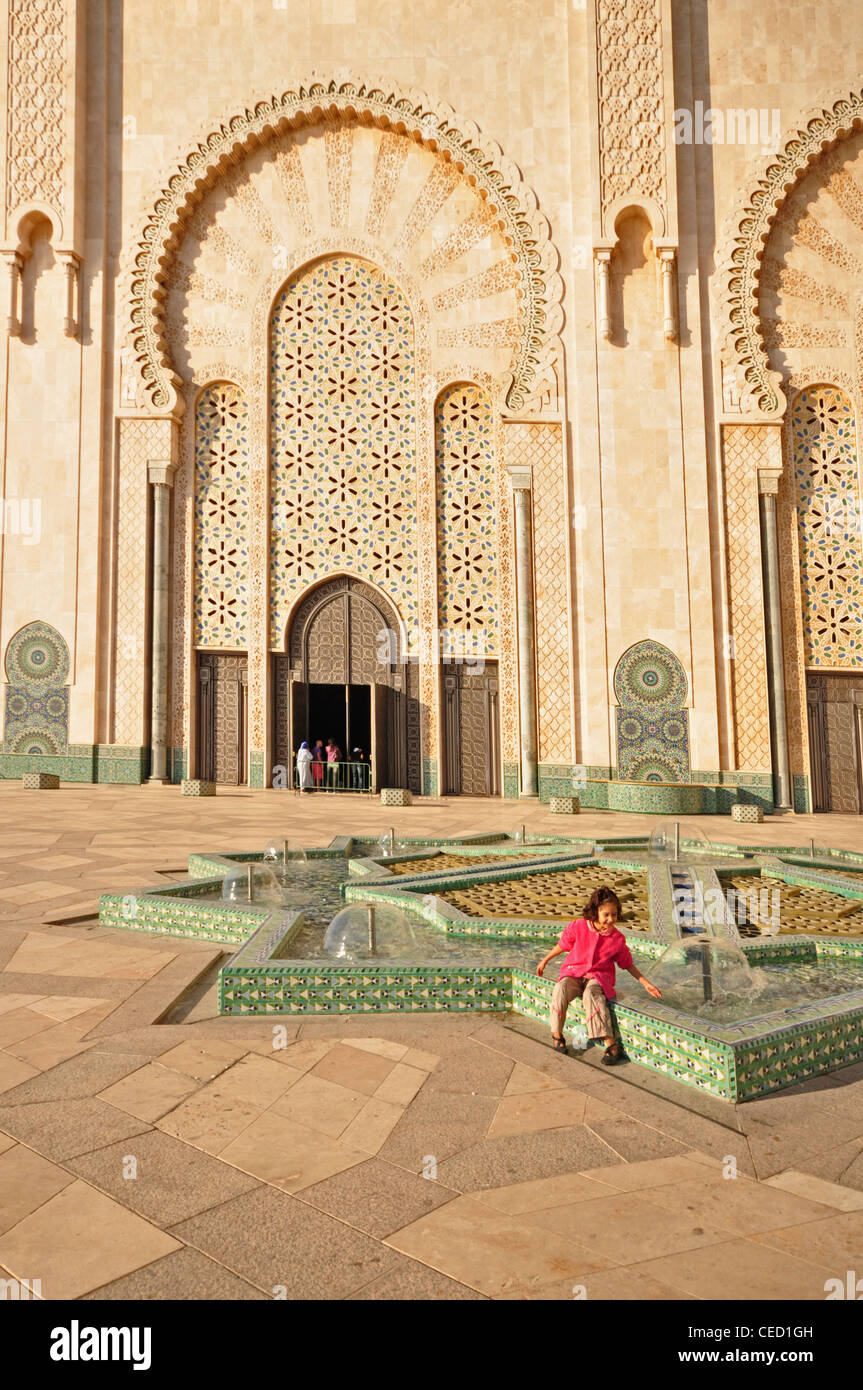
(222, 705)
(471, 732)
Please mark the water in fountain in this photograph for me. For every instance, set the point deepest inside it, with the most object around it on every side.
(265, 886)
(279, 853)
(690, 839)
(709, 970)
(367, 931)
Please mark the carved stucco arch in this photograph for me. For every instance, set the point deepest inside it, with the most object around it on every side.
(742, 351)
(433, 125)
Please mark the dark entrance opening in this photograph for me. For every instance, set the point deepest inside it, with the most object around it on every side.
(341, 712)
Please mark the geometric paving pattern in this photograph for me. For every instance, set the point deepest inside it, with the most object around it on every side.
(557, 896)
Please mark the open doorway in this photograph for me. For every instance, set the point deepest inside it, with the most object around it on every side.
(342, 712)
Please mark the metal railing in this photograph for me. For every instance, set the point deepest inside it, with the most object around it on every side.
(338, 777)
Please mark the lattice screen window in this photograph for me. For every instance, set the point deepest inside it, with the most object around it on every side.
(828, 512)
(343, 476)
(466, 522)
(221, 517)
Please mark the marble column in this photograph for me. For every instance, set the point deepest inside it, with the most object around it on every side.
(668, 265)
(71, 267)
(768, 487)
(14, 266)
(520, 478)
(161, 476)
(602, 256)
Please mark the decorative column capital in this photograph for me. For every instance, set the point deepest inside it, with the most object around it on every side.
(161, 471)
(519, 476)
(768, 482)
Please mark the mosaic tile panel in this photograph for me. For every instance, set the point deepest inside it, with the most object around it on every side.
(824, 439)
(37, 700)
(221, 517)
(652, 720)
(468, 545)
(315, 990)
(343, 471)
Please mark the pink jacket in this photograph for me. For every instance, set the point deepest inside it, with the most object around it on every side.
(593, 955)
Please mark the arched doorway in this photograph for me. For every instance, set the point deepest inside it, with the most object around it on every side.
(345, 674)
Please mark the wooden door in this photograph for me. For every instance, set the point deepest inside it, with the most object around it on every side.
(471, 724)
(817, 750)
(380, 722)
(222, 717)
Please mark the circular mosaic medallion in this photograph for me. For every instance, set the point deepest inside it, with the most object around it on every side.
(37, 653)
(630, 728)
(650, 674)
(654, 770)
(35, 743)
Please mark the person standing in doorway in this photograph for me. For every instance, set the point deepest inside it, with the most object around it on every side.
(318, 764)
(358, 770)
(334, 757)
(304, 768)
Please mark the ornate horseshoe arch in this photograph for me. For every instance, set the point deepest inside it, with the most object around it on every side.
(434, 126)
(750, 387)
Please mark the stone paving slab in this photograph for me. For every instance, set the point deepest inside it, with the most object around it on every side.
(78, 1240)
(172, 1181)
(188, 1270)
(275, 1241)
(377, 1198)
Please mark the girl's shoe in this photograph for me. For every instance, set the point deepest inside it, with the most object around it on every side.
(558, 1043)
(613, 1055)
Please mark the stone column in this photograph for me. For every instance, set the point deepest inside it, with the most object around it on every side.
(667, 264)
(602, 256)
(71, 266)
(520, 478)
(768, 487)
(14, 265)
(161, 475)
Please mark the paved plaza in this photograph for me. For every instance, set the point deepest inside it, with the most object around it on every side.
(150, 1149)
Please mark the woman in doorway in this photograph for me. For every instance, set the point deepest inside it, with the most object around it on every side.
(334, 757)
(318, 763)
(304, 768)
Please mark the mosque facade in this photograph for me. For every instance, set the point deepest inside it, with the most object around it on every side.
(477, 384)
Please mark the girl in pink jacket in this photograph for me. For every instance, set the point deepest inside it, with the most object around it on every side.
(595, 945)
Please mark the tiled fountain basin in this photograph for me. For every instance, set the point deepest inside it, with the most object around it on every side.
(735, 1061)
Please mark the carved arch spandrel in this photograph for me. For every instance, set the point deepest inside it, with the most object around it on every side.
(751, 388)
(432, 126)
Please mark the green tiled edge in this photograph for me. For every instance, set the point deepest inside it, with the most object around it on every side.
(706, 793)
(82, 762)
(431, 781)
